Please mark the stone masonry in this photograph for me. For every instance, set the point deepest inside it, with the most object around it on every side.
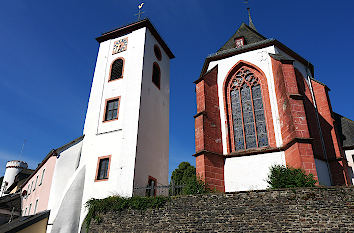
(289, 210)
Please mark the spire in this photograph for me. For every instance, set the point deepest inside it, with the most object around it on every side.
(250, 24)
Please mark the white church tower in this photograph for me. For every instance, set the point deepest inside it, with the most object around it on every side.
(127, 123)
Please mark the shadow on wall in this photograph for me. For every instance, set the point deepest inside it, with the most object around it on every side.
(68, 218)
(337, 170)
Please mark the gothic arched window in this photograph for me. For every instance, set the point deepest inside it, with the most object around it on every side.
(247, 112)
(117, 69)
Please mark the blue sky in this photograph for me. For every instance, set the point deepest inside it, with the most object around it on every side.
(48, 53)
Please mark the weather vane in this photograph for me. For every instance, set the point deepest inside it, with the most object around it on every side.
(140, 12)
(250, 23)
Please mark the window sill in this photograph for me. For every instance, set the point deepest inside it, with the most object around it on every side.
(96, 180)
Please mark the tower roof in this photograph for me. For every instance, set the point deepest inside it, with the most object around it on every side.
(132, 27)
(250, 36)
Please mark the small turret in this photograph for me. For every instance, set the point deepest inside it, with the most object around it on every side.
(12, 169)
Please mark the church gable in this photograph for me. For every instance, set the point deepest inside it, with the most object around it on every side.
(249, 35)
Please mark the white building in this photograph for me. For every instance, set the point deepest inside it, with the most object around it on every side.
(126, 133)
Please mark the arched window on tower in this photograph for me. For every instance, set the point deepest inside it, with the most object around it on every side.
(117, 69)
(247, 112)
(156, 75)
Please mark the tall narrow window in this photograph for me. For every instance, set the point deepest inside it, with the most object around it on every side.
(29, 209)
(117, 69)
(35, 207)
(156, 75)
(42, 177)
(248, 120)
(35, 184)
(151, 187)
(103, 168)
(111, 112)
(32, 185)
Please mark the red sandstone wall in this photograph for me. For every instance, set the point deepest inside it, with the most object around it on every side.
(335, 154)
(293, 118)
(208, 143)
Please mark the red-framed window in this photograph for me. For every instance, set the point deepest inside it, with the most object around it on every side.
(117, 69)
(111, 109)
(239, 42)
(103, 165)
(151, 187)
(247, 117)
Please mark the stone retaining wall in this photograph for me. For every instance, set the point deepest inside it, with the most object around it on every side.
(296, 210)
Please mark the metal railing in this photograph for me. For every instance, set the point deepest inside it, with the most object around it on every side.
(159, 190)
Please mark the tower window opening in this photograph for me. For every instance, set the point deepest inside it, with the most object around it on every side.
(157, 52)
(103, 168)
(111, 111)
(117, 69)
(156, 75)
(151, 187)
(248, 120)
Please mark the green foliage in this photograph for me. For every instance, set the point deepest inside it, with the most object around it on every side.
(286, 177)
(194, 185)
(185, 175)
(115, 203)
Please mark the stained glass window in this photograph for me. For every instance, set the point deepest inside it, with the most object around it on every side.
(249, 126)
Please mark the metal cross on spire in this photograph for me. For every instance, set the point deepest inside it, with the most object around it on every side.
(140, 12)
(250, 23)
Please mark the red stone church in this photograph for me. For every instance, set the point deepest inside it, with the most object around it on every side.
(259, 104)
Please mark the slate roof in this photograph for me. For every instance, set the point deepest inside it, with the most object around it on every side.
(345, 129)
(7, 202)
(251, 36)
(23, 222)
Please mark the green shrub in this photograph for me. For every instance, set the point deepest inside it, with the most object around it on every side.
(194, 185)
(115, 203)
(185, 175)
(286, 177)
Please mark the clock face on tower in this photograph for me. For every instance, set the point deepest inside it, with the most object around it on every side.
(120, 46)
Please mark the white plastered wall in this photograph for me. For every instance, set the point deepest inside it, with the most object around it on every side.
(116, 138)
(349, 154)
(65, 168)
(153, 132)
(250, 172)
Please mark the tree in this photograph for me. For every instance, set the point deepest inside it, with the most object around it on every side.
(185, 175)
(286, 177)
